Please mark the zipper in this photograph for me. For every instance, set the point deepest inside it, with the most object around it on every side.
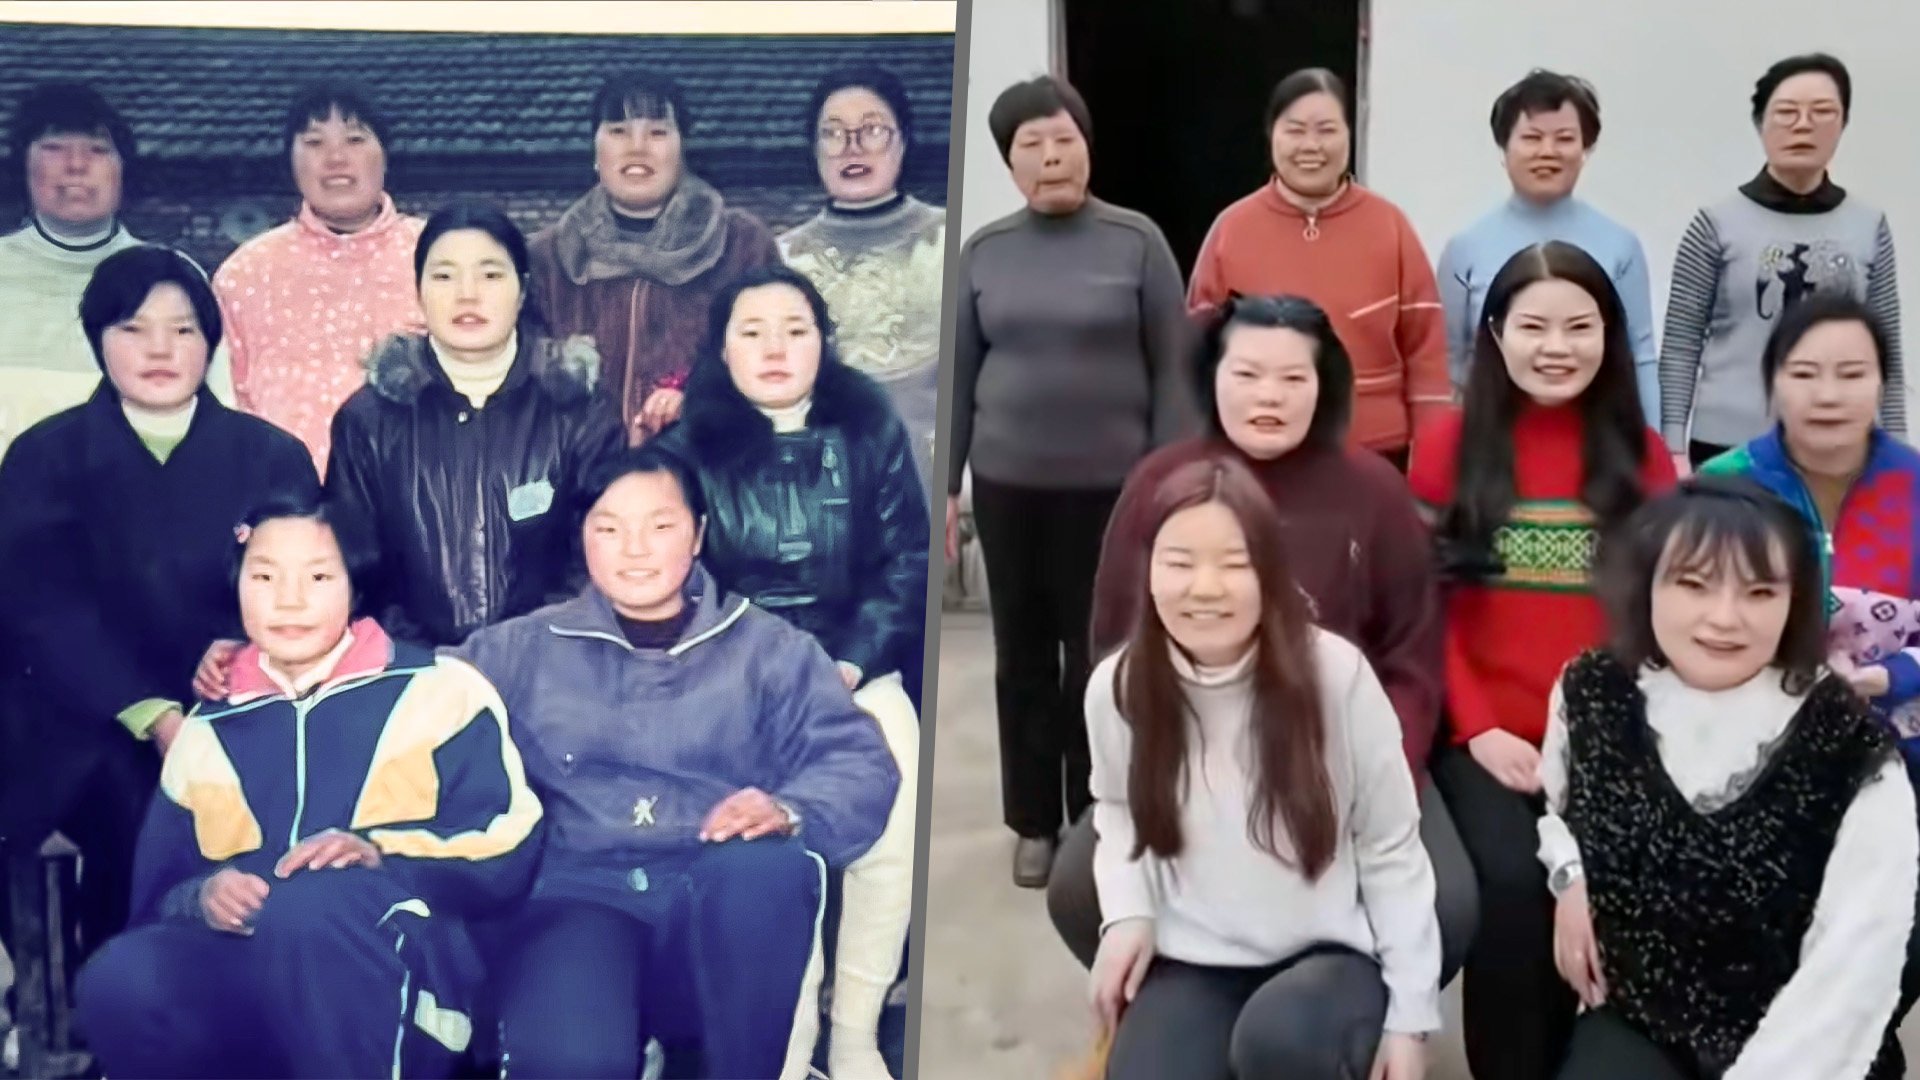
(300, 709)
(1312, 230)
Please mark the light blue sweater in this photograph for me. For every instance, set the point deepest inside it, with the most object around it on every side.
(1471, 259)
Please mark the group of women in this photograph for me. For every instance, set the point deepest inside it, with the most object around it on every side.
(1647, 796)
(466, 447)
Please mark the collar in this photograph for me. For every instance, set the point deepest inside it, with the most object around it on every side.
(384, 221)
(1200, 674)
(92, 242)
(1520, 206)
(364, 650)
(591, 613)
(1770, 456)
(477, 380)
(880, 207)
(790, 419)
(1350, 195)
(1775, 196)
(149, 424)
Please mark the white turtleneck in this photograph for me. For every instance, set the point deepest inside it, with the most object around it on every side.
(478, 380)
(790, 419)
(160, 431)
(1826, 1023)
(1225, 902)
(62, 235)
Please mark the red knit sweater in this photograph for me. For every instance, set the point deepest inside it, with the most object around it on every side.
(1507, 639)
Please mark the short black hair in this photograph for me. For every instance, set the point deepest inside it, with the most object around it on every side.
(1332, 367)
(1712, 521)
(489, 219)
(315, 103)
(1544, 91)
(65, 108)
(1823, 63)
(1801, 317)
(649, 457)
(123, 281)
(642, 95)
(868, 77)
(357, 549)
(1036, 99)
(1301, 84)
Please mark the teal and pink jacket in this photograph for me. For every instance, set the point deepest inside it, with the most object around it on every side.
(1869, 561)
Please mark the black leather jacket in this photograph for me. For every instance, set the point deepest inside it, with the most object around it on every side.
(826, 526)
(475, 510)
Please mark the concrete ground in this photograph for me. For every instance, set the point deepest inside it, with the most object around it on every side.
(1001, 995)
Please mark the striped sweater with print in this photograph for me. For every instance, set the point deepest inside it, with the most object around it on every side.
(1739, 266)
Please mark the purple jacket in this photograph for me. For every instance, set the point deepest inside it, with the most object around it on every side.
(630, 749)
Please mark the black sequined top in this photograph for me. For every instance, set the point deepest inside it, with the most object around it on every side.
(1699, 915)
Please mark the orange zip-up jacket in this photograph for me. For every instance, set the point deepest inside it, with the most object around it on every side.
(1358, 258)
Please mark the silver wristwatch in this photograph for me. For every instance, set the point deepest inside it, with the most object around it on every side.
(1564, 878)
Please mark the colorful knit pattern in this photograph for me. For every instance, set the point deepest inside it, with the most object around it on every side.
(1547, 544)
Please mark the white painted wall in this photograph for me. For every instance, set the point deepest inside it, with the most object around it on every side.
(1010, 41)
(1674, 79)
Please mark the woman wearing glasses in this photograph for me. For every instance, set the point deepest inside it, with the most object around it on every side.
(1789, 233)
(876, 253)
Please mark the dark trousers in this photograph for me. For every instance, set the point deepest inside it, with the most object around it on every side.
(1517, 1009)
(1699, 453)
(320, 989)
(739, 920)
(1604, 1046)
(1074, 903)
(1041, 548)
(1316, 1016)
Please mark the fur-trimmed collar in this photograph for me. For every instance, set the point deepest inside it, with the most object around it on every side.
(567, 370)
(722, 422)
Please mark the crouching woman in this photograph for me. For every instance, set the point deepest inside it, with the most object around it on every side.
(1730, 834)
(320, 835)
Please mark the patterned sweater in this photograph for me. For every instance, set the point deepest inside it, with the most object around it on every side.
(304, 305)
(881, 273)
(1508, 638)
(1870, 559)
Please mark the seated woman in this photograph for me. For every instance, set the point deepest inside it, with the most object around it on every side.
(319, 837)
(1550, 453)
(1276, 387)
(118, 517)
(704, 767)
(1730, 833)
(1856, 488)
(1269, 905)
(467, 447)
(815, 512)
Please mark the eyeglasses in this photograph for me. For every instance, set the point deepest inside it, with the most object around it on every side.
(835, 140)
(1822, 115)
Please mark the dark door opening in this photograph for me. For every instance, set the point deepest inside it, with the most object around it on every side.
(1178, 91)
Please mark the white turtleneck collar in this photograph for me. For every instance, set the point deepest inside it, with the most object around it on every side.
(86, 241)
(1208, 675)
(166, 427)
(478, 380)
(790, 419)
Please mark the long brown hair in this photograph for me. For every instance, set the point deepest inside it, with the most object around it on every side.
(1290, 782)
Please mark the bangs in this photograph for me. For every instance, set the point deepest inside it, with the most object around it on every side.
(1715, 539)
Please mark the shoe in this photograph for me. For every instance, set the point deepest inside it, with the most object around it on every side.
(1032, 862)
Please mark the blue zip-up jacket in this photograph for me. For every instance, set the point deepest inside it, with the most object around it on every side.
(408, 751)
(630, 749)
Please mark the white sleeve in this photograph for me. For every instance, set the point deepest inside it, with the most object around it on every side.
(1396, 877)
(1557, 845)
(1828, 1021)
(1124, 885)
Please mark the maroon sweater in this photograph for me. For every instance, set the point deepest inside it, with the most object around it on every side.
(1359, 551)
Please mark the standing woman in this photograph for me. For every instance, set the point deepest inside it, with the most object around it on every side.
(1789, 233)
(815, 514)
(1548, 455)
(1311, 231)
(119, 526)
(1067, 370)
(1268, 904)
(1856, 489)
(877, 254)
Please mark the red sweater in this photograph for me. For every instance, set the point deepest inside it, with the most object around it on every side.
(1355, 546)
(1507, 639)
(1360, 260)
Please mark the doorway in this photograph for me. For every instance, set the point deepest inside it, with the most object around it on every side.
(1178, 92)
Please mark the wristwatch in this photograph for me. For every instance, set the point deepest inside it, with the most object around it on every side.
(1565, 877)
(793, 816)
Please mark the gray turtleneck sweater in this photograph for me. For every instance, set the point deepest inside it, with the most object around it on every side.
(1070, 346)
